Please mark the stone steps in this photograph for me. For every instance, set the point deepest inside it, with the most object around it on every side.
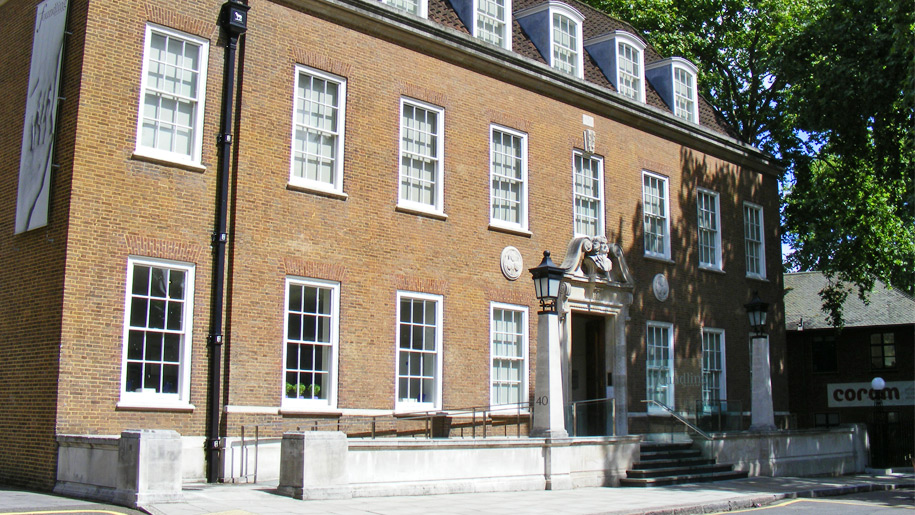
(663, 464)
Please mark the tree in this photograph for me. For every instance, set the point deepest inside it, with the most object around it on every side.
(848, 207)
(737, 46)
(827, 87)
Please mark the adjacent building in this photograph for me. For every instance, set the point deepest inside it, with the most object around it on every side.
(831, 370)
(392, 169)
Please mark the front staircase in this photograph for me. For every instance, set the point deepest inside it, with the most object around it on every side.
(663, 464)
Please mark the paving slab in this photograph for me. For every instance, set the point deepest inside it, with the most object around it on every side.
(262, 499)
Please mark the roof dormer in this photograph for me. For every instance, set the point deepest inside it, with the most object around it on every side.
(621, 57)
(489, 20)
(555, 29)
(675, 80)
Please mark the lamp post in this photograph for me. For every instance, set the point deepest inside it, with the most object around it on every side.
(879, 455)
(762, 416)
(549, 413)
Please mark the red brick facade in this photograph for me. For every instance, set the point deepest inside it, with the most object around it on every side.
(62, 287)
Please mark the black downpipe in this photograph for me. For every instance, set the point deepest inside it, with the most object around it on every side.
(233, 18)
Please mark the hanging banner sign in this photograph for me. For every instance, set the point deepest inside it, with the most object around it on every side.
(858, 395)
(40, 116)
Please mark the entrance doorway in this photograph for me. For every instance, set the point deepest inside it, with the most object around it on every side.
(590, 375)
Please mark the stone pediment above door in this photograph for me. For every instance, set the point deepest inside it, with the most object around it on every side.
(594, 259)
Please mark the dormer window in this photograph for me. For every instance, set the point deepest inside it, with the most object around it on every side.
(555, 29)
(492, 22)
(565, 44)
(684, 94)
(488, 20)
(630, 71)
(417, 7)
(675, 80)
(621, 56)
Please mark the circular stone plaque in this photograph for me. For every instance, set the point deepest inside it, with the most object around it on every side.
(511, 262)
(660, 287)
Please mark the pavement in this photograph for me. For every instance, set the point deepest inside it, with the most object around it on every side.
(261, 498)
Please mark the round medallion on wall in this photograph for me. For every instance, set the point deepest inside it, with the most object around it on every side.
(660, 287)
(511, 262)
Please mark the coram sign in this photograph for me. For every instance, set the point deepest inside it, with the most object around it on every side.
(855, 395)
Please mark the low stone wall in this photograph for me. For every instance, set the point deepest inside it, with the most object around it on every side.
(321, 465)
(136, 468)
(798, 453)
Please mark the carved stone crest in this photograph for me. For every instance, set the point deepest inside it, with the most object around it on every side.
(596, 258)
(512, 263)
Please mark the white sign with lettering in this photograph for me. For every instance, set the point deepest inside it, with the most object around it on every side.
(857, 395)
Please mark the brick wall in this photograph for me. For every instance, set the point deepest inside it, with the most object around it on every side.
(120, 205)
(32, 272)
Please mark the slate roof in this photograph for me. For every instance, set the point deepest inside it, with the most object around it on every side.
(596, 24)
(802, 299)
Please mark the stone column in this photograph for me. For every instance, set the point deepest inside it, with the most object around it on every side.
(620, 373)
(762, 416)
(549, 408)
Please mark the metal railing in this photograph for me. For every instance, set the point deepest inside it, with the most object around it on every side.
(719, 415)
(679, 417)
(472, 422)
(593, 413)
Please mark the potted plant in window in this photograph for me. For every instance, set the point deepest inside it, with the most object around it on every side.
(302, 391)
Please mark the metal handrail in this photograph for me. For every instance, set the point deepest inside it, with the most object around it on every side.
(680, 417)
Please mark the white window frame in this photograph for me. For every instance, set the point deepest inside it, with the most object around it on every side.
(524, 358)
(748, 207)
(669, 390)
(691, 113)
(304, 404)
(152, 399)
(722, 370)
(194, 159)
(436, 208)
(623, 38)
(436, 402)
(422, 8)
(506, 22)
(564, 11)
(576, 214)
(336, 185)
(713, 231)
(521, 225)
(647, 217)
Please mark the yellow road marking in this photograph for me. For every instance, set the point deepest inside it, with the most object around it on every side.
(61, 511)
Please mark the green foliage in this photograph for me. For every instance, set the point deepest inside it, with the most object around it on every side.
(305, 391)
(737, 46)
(827, 86)
(848, 208)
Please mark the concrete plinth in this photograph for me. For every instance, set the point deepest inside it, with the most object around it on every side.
(138, 468)
(313, 465)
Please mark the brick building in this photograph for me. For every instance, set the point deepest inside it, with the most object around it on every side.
(831, 369)
(393, 167)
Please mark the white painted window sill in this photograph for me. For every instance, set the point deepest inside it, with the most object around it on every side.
(317, 190)
(141, 155)
(415, 210)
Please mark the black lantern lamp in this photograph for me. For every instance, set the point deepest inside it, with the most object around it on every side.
(234, 17)
(547, 278)
(756, 311)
